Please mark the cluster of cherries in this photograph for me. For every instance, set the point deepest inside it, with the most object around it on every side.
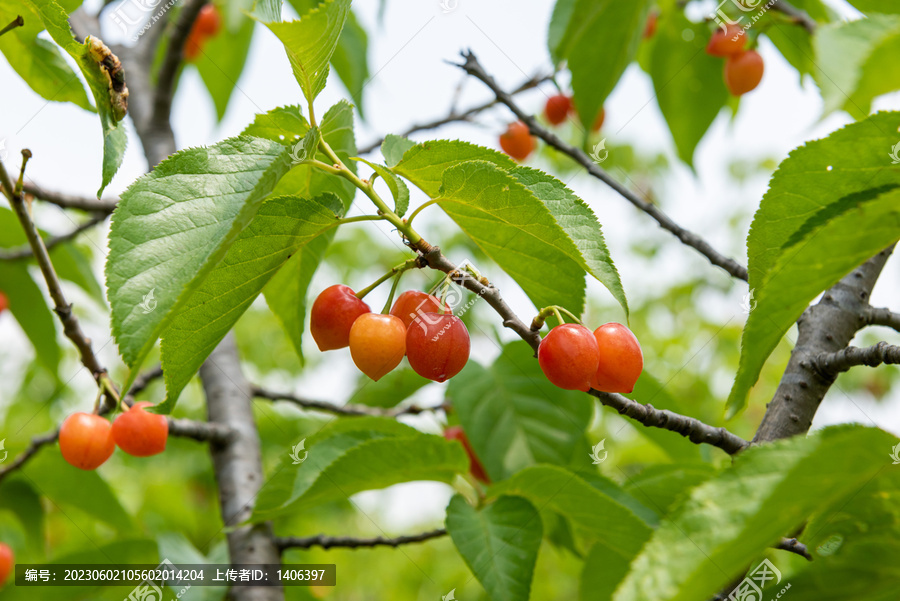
(419, 326)
(87, 440)
(207, 25)
(743, 68)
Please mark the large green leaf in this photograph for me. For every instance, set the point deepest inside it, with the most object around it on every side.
(557, 41)
(876, 6)
(687, 81)
(580, 224)
(283, 226)
(424, 164)
(36, 60)
(602, 571)
(516, 230)
(174, 225)
(661, 486)
(222, 61)
(855, 62)
(358, 455)
(499, 543)
(27, 305)
(514, 417)
(731, 519)
(108, 104)
(394, 147)
(601, 39)
(311, 42)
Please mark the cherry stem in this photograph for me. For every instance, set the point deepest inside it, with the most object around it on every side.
(539, 319)
(558, 315)
(390, 300)
(418, 210)
(408, 264)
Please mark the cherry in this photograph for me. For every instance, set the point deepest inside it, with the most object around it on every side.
(621, 360)
(743, 72)
(725, 43)
(437, 346)
(413, 303)
(475, 465)
(569, 356)
(332, 315)
(4, 302)
(517, 141)
(206, 25)
(86, 441)
(557, 108)
(7, 561)
(140, 433)
(652, 22)
(377, 343)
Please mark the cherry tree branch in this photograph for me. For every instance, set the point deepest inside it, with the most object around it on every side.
(792, 545)
(735, 269)
(454, 115)
(25, 252)
(831, 364)
(873, 316)
(69, 201)
(171, 62)
(348, 410)
(37, 443)
(329, 542)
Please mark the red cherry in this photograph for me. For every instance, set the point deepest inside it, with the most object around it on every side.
(517, 141)
(568, 356)
(743, 72)
(728, 42)
(85, 440)
(7, 561)
(650, 28)
(413, 303)
(437, 346)
(377, 343)
(208, 21)
(332, 315)
(140, 433)
(621, 360)
(4, 302)
(475, 465)
(557, 108)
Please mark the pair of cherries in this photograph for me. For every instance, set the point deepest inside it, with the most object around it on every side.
(87, 440)
(435, 341)
(743, 68)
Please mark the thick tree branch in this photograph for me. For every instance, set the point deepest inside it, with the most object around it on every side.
(826, 327)
(171, 62)
(873, 316)
(454, 116)
(349, 410)
(69, 201)
(792, 545)
(801, 17)
(474, 68)
(25, 252)
(329, 542)
(831, 364)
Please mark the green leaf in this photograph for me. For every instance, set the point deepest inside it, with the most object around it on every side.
(514, 417)
(222, 61)
(580, 224)
(516, 230)
(351, 59)
(424, 164)
(661, 486)
(499, 543)
(390, 390)
(557, 41)
(855, 62)
(795, 45)
(311, 41)
(282, 227)
(394, 147)
(179, 550)
(20, 497)
(876, 6)
(37, 61)
(27, 305)
(365, 455)
(728, 521)
(109, 103)
(602, 571)
(173, 226)
(396, 185)
(687, 81)
(601, 39)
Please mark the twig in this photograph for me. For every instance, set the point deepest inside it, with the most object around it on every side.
(36, 444)
(328, 542)
(349, 410)
(17, 22)
(801, 17)
(466, 115)
(831, 364)
(25, 252)
(69, 201)
(474, 68)
(873, 316)
(171, 62)
(792, 545)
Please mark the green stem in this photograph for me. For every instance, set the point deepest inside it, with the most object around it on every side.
(408, 264)
(570, 314)
(409, 219)
(558, 315)
(17, 22)
(390, 300)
